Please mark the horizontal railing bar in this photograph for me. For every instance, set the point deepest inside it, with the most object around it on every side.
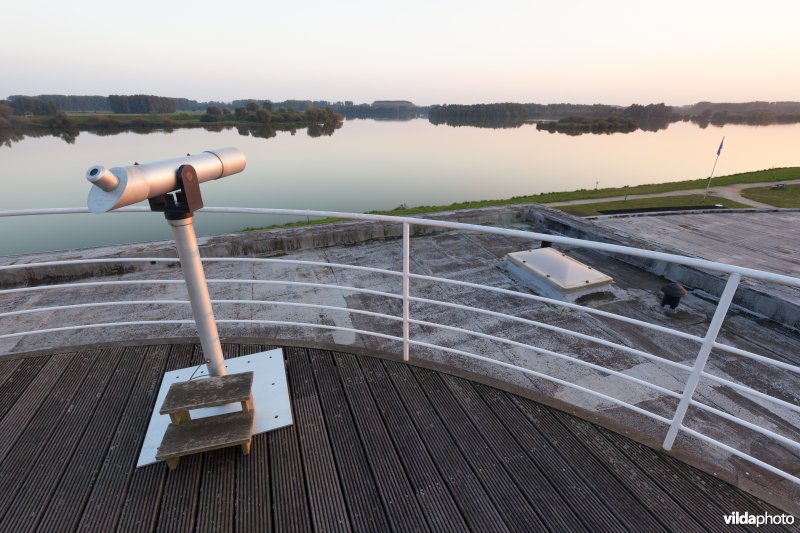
(748, 390)
(204, 259)
(546, 377)
(756, 357)
(553, 354)
(745, 423)
(592, 245)
(94, 284)
(568, 305)
(557, 329)
(317, 326)
(170, 302)
(94, 326)
(220, 281)
(741, 454)
(91, 305)
(225, 321)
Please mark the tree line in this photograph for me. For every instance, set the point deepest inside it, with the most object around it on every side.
(266, 114)
(512, 114)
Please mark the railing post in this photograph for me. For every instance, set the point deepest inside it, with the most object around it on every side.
(702, 356)
(406, 285)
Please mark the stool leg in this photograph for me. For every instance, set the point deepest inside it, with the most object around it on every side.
(180, 417)
(173, 463)
(247, 405)
(246, 447)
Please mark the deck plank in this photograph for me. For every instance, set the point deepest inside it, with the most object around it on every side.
(179, 502)
(66, 507)
(7, 367)
(590, 507)
(472, 498)
(661, 504)
(730, 498)
(137, 508)
(433, 493)
(607, 499)
(215, 511)
(402, 508)
(32, 396)
(328, 509)
(252, 490)
(357, 480)
(702, 508)
(476, 432)
(397, 448)
(30, 502)
(21, 458)
(290, 509)
(18, 380)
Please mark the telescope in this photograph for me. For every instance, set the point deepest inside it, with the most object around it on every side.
(121, 186)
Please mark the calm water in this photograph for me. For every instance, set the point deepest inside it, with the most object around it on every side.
(365, 165)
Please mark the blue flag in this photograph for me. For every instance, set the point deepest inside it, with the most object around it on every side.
(720, 146)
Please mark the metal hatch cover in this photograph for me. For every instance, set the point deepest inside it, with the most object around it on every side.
(555, 274)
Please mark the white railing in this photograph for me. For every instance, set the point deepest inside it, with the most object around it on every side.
(685, 396)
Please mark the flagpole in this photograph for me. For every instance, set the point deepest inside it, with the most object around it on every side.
(719, 151)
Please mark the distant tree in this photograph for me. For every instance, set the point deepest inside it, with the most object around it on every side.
(141, 103)
(22, 105)
(263, 116)
(214, 111)
(240, 113)
(252, 106)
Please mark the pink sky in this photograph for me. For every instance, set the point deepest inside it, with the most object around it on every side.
(678, 52)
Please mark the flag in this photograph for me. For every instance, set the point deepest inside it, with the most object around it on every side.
(720, 146)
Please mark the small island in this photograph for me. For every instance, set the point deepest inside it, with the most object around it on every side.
(580, 125)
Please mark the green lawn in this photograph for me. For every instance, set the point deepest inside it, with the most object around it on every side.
(786, 197)
(757, 176)
(587, 210)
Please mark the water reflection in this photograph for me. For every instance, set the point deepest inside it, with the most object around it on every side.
(69, 132)
(366, 165)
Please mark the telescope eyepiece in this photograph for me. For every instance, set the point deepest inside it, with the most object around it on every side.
(102, 177)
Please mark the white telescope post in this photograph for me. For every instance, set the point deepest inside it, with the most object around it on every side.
(182, 224)
(157, 182)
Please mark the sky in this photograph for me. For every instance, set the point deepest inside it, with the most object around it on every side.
(429, 52)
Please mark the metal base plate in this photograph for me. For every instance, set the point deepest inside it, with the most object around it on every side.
(270, 398)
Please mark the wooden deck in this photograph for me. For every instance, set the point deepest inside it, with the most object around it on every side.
(376, 446)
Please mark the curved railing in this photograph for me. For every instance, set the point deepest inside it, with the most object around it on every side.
(686, 395)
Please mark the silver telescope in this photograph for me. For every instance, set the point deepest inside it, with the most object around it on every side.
(121, 186)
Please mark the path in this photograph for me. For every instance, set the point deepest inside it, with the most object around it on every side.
(729, 192)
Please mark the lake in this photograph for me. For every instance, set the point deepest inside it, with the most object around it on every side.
(365, 165)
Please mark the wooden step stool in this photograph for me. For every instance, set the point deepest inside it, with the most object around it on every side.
(185, 436)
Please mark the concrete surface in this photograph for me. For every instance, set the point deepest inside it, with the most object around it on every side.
(477, 258)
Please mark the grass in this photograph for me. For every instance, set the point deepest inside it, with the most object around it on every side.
(786, 197)
(587, 210)
(757, 176)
